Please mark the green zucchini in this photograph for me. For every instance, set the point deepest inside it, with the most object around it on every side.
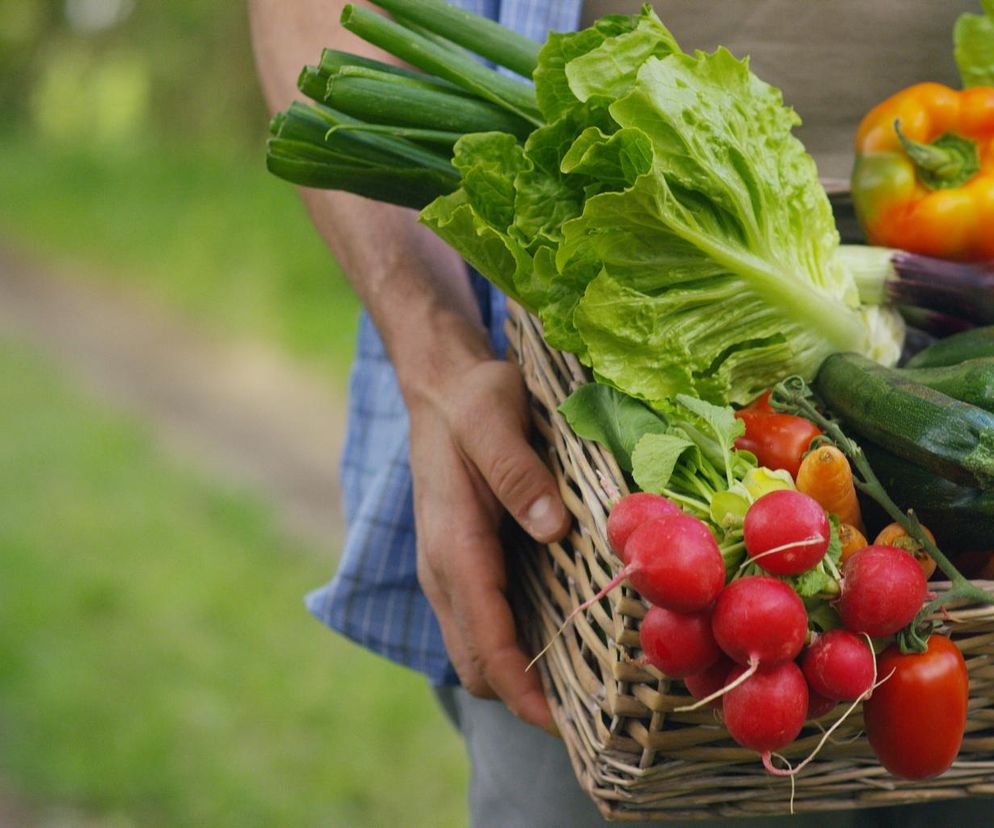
(960, 517)
(944, 436)
(972, 344)
(971, 381)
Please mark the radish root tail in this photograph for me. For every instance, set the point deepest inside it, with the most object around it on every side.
(792, 772)
(767, 757)
(617, 579)
(783, 548)
(717, 694)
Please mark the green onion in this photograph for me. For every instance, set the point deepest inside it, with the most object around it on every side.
(477, 34)
(388, 132)
(333, 60)
(329, 132)
(313, 83)
(463, 71)
(413, 81)
(307, 128)
(313, 80)
(314, 146)
(421, 136)
(398, 101)
(401, 185)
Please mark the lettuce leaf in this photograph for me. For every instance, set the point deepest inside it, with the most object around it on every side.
(616, 421)
(973, 41)
(665, 225)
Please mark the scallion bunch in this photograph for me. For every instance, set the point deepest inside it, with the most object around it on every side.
(387, 132)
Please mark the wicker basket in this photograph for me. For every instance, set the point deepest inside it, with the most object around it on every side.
(637, 758)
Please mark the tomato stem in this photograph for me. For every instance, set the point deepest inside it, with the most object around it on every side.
(914, 637)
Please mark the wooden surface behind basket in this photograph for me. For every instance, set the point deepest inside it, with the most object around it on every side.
(636, 757)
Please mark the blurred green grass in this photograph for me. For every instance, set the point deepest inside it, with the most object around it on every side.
(157, 666)
(202, 228)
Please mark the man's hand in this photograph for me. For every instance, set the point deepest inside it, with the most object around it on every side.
(471, 460)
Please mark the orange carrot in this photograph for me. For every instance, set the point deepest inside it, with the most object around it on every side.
(826, 476)
(893, 534)
(852, 540)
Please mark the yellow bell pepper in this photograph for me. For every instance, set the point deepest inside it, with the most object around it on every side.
(923, 180)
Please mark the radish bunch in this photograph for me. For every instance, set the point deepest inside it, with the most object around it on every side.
(746, 645)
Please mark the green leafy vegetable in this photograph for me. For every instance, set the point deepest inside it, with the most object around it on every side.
(973, 40)
(688, 455)
(616, 421)
(655, 459)
(669, 228)
(722, 423)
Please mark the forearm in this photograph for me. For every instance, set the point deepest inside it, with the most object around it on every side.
(415, 288)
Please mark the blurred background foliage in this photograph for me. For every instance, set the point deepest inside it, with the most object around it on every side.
(108, 72)
(157, 666)
(133, 138)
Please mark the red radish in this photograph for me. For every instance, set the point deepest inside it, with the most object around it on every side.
(674, 562)
(678, 644)
(766, 711)
(883, 589)
(786, 532)
(839, 665)
(710, 681)
(632, 511)
(818, 705)
(759, 620)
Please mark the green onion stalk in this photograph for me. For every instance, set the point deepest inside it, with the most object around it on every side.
(316, 146)
(477, 34)
(388, 132)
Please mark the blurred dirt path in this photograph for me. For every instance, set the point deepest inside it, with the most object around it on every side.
(243, 412)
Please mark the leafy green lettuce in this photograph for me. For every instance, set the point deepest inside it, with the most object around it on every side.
(973, 41)
(665, 224)
(616, 421)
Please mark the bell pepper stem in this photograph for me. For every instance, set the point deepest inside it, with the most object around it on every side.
(949, 161)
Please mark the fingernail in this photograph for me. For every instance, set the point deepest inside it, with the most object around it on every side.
(543, 518)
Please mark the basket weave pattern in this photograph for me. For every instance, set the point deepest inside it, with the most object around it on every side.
(632, 753)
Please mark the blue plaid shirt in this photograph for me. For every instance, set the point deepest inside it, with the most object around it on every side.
(374, 598)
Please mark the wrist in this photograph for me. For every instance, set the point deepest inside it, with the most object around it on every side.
(415, 288)
(432, 349)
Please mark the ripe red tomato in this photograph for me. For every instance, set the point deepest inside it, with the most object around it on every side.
(779, 441)
(915, 720)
